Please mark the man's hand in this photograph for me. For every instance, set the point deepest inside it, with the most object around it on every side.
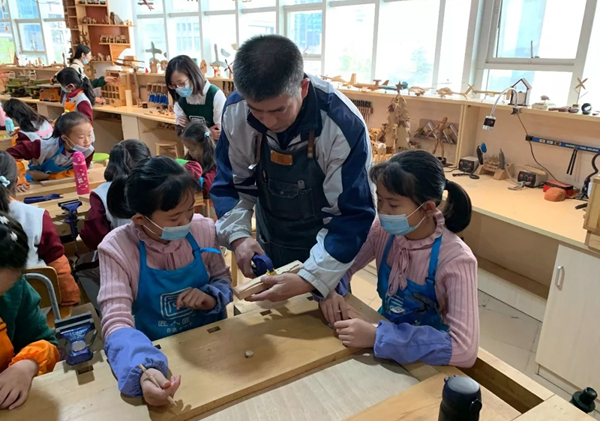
(195, 299)
(111, 79)
(334, 308)
(245, 249)
(215, 132)
(282, 287)
(155, 396)
(15, 383)
(356, 333)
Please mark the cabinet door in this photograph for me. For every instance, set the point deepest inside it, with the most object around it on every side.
(570, 340)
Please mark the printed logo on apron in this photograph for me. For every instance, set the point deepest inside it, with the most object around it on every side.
(168, 306)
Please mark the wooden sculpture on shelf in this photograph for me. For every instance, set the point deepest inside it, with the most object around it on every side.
(485, 94)
(395, 133)
(438, 132)
(444, 92)
(115, 19)
(417, 90)
(203, 67)
(367, 86)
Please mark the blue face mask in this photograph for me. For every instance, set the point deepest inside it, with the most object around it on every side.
(185, 91)
(172, 233)
(64, 90)
(398, 224)
(86, 61)
(81, 149)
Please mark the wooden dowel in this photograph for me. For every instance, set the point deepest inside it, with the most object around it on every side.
(153, 380)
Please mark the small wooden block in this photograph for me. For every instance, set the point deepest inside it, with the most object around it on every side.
(256, 286)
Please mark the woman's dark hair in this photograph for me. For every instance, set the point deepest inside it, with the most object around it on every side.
(157, 183)
(81, 50)
(124, 157)
(187, 66)
(69, 75)
(13, 243)
(199, 133)
(8, 170)
(67, 121)
(420, 176)
(24, 116)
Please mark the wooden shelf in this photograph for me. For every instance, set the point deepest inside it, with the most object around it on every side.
(106, 24)
(123, 44)
(92, 5)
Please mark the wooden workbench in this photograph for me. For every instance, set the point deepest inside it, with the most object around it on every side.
(299, 371)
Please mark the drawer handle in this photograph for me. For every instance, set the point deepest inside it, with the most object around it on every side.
(560, 277)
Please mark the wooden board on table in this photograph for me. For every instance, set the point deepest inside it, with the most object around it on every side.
(95, 178)
(422, 402)
(256, 286)
(57, 182)
(286, 342)
(555, 409)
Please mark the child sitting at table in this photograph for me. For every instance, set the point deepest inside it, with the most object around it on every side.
(160, 275)
(52, 158)
(27, 344)
(32, 126)
(427, 276)
(78, 92)
(45, 248)
(197, 139)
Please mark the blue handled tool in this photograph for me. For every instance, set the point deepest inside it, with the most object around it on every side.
(38, 199)
(261, 264)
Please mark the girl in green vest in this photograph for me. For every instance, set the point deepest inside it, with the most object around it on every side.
(195, 98)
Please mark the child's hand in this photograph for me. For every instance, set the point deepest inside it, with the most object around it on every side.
(38, 175)
(22, 188)
(215, 132)
(15, 383)
(195, 299)
(356, 333)
(155, 396)
(334, 308)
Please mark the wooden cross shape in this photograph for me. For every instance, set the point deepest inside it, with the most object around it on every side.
(581, 83)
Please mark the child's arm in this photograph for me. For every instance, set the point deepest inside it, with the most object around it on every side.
(218, 271)
(52, 252)
(85, 107)
(405, 343)
(209, 177)
(125, 347)
(33, 339)
(195, 169)
(96, 226)
(25, 150)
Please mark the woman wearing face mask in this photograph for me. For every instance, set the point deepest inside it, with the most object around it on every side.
(52, 158)
(160, 275)
(194, 97)
(427, 276)
(81, 58)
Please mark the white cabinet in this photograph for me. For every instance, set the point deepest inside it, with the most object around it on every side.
(570, 339)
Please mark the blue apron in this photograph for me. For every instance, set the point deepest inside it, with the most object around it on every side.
(417, 304)
(155, 307)
(49, 166)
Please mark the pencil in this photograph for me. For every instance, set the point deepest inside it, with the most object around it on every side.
(153, 380)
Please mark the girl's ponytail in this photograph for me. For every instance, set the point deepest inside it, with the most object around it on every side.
(117, 200)
(457, 211)
(124, 157)
(8, 180)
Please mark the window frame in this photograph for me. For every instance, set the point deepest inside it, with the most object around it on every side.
(490, 31)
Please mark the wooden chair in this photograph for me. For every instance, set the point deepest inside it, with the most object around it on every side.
(41, 288)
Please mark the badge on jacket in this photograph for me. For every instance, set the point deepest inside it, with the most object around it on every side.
(281, 158)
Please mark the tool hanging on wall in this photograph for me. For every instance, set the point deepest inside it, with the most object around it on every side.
(365, 108)
(571, 166)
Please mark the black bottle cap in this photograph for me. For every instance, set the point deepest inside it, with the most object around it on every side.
(584, 400)
(461, 399)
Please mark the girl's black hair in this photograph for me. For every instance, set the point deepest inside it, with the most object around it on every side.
(157, 183)
(124, 157)
(81, 50)
(13, 243)
(67, 121)
(8, 170)
(199, 133)
(23, 115)
(420, 176)
(184, 64)
(69, 75)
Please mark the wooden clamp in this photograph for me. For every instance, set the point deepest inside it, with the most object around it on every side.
(256, 285)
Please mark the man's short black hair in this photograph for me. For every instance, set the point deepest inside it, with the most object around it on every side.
(267, 66)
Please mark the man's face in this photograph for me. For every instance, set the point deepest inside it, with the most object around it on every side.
(279, 113)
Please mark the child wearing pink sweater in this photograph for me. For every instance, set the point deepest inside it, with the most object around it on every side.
(427, 276)
(160, 275)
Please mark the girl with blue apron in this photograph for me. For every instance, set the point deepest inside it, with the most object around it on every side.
(155, 307)
(416, 304)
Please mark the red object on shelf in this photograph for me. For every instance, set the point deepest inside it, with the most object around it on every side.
(568, 188)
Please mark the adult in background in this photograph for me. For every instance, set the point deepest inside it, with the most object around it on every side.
(298, 150)
(81, 58)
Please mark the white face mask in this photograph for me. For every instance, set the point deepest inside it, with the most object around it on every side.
(172, 233)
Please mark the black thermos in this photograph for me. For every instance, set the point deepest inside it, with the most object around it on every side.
(584, 400)
(461, 399)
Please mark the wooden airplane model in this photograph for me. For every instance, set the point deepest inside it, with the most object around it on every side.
(367, 86)
(417, 90)
(335, 79)
(443, 92)
(485, 94)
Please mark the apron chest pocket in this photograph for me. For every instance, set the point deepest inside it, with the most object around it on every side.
(289, 201)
